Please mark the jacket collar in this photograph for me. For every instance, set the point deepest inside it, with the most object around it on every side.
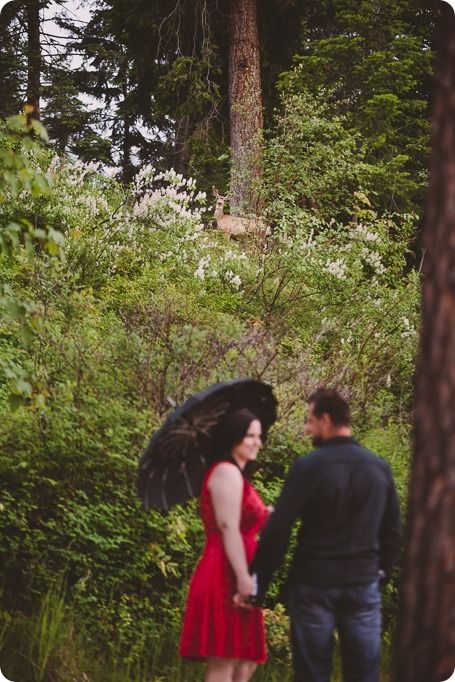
(339, 440)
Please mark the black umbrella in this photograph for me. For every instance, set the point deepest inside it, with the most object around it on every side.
(178, 455)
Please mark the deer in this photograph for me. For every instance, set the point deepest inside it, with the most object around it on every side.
(233, 225)
(229, 225)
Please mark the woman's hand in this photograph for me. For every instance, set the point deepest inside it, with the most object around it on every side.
(245, 586)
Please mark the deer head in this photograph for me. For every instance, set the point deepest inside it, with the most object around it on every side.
(229, 225)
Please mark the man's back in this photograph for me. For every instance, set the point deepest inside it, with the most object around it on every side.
(350, 529)
(346, 498)
(350, 519)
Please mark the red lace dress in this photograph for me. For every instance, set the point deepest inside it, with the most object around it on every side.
(213, 626)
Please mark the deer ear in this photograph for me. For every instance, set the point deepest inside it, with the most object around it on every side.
(215, 191)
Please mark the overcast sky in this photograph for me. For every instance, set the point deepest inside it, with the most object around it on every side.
(75, 10)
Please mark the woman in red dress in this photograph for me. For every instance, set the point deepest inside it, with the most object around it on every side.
(219, 626)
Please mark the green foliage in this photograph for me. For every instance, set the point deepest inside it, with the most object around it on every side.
(20, 139)
(185, 89)
(278, 636)
(374, 63)
(145, 304)
(119, 300)
(313, 164)
(21, 153)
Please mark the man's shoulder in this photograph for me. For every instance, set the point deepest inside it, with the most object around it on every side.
(369, 456)
(312, 459)
(341, 450)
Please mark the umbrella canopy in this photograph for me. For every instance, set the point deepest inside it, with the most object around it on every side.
(175, 461)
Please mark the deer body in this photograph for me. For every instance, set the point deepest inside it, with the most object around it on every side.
(226, 223)
(233, 225)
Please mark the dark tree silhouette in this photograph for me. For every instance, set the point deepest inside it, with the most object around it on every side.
(34, 56)
(425, 643)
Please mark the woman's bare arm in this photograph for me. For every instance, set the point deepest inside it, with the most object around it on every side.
(226, 489)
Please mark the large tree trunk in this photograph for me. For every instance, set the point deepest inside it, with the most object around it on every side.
(34, 57)
(425, 645)
(245, 103)
(181, 152)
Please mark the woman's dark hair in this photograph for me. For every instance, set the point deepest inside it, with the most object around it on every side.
(231, 430)
(328, 401)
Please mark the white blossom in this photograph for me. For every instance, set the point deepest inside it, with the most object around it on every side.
(361, 232)
(375, 261)
(203, 264)
(337, 268)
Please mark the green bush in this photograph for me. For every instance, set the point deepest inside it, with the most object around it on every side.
(143, 306)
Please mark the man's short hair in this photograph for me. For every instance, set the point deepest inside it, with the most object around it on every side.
(328, 401)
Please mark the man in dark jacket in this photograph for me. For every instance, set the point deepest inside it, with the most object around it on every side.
(347, 544)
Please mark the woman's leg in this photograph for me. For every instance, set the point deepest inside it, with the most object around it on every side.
(220, 669)
(244, 670)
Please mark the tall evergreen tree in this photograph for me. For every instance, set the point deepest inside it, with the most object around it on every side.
(425, 645)
(374, 62)
(192, 40)
(13, 69)
(245, 106)
(119, 44)
(34, 56)
(71, 124)
(42, 78)
(175, 58)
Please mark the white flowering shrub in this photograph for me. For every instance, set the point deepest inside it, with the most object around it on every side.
(157, 223)
(339, 272)
(350, 292)
(342, 286)
(152, 228)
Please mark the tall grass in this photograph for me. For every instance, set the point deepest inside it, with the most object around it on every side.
(31, 645)
(49, 632)
(44, 647)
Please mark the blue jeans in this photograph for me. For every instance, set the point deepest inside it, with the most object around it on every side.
(355, 612)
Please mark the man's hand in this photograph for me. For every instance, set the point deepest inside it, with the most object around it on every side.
(242, 602)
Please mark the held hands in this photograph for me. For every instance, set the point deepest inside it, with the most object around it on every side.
(245, 586)
(242, 604)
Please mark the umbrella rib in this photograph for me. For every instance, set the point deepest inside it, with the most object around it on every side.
(163, 494)
(187, 480)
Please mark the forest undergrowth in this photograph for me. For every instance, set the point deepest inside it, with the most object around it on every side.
(120, 301)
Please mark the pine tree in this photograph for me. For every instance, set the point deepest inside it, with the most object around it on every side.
(425, 643)
(72, 126)
(245, 107)
(13, 70)
(374, 64)
(34, 56)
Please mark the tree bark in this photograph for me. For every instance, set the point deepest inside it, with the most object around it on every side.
(181, 146)
(425, 642)
(245, 103)
(34, 57)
